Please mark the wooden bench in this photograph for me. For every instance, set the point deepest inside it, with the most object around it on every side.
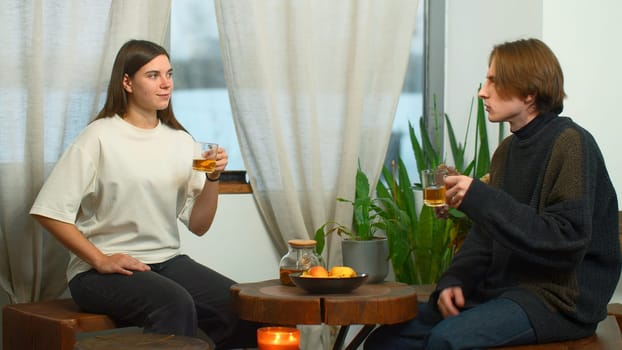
(49, 325)
(607, 337)
(615, 309)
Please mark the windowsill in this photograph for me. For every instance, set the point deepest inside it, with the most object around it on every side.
(234, 182)
(234, 188)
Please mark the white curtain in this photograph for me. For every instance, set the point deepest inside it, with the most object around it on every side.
(56, 60)
(314, 86)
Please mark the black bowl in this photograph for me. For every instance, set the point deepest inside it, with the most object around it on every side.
(328, 285)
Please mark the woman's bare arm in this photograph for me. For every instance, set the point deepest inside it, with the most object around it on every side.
(72, 239)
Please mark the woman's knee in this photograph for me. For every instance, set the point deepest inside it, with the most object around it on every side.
(175, 315)
(176, 302)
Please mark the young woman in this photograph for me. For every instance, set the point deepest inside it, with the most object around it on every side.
(114, 200)
(543, 257)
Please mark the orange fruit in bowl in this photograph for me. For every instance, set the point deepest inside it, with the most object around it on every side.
(316, 271)
(342, 271)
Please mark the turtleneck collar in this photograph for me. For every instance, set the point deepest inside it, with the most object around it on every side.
(534, 125)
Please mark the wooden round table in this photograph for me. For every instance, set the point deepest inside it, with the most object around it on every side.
(369, 305)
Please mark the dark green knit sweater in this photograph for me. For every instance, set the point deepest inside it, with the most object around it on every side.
(545, 230)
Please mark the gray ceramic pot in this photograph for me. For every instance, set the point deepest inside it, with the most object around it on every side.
(370, 257)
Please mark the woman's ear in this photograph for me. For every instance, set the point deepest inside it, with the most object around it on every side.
(127, 83)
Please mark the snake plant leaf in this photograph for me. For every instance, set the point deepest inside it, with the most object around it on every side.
(417, 149)
(457, 149)
(483, 154)
(430, 153)
(406, 193)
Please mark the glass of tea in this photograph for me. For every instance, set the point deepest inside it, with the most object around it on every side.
(204, 158)
(433, 184)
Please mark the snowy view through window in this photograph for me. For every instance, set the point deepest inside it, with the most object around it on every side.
(201, 102)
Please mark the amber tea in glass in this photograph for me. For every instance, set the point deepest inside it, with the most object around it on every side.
(433, 183)
(284, 276)
(204, 158)
(205, 165)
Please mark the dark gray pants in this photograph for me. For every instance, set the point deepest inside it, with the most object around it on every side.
(175, 297)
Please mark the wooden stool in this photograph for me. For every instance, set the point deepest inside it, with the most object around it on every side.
(139, 341)
(615, 309)
(50, 325)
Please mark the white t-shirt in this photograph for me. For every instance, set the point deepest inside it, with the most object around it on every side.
(124, 187)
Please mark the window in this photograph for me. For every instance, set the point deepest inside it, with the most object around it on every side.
(201, 102)
(410, 105)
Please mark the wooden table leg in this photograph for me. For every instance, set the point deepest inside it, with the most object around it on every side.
(360, 337)
(341, 337)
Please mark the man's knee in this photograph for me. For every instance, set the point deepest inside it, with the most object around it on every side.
(439, 340)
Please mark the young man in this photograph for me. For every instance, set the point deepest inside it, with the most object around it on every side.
(542, 259)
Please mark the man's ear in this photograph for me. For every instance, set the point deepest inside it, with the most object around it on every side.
(127, 83)
(530, 100)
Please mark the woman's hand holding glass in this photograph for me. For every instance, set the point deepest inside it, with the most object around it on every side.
(210, 158)
(205, 156)
(222, 159)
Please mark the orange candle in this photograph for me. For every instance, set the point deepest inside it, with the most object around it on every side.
(278, 338)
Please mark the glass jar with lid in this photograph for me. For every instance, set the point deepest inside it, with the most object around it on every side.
(300, 257)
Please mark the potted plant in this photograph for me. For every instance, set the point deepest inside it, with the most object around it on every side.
(421, 246)
(364, 248)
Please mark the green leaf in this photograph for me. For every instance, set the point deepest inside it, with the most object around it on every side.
(457, 150)
(417, 149)
(429, 152)
(362, 185)
(421, 246)
(483, 155)
(320, 239)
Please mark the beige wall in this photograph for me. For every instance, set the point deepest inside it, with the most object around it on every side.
(586, 38)
(237, 244)
(472, 28)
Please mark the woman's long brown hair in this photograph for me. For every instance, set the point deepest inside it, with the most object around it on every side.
(131, 57)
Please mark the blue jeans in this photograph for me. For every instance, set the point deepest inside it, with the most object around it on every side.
(498, 322)
(177, 297)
